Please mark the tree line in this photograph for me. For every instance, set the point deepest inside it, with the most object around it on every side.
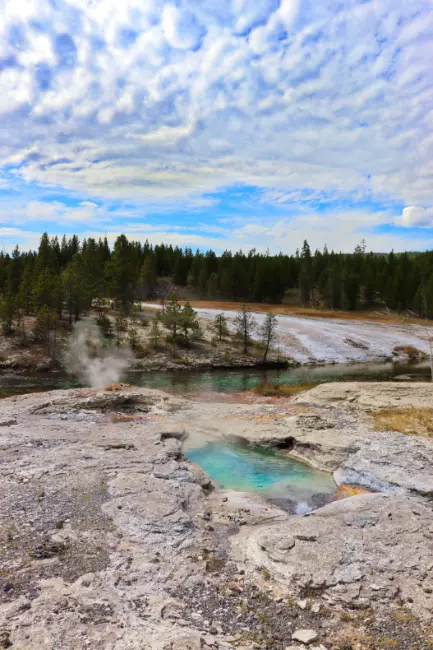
(64, 278)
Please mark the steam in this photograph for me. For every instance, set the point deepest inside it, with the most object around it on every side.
(89, 358)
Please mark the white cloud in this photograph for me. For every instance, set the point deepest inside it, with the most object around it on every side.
(416, 217)
(180, 27)
(15, 89)
(53, 212)
(160, 102)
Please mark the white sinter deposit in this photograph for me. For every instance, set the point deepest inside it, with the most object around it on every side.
(334, 340)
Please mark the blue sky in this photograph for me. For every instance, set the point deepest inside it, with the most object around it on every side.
(218, 123)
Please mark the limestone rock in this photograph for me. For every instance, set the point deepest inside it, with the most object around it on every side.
(105, 529)
(305, 636)
(369, 539)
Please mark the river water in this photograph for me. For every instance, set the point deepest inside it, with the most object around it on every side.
(220, 381)
(232, 381)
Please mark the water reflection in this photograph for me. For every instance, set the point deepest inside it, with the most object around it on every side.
(219, 381)
(229, 381)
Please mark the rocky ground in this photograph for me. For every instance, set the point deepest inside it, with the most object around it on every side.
(110, 539)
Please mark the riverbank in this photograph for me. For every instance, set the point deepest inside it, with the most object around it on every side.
(301, 341)
(111, 539)
(314, 339)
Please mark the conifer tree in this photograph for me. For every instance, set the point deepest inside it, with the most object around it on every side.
(245, 324)
(171, 317)
(147, 280)
(268, 334)
(220, 326)
(189, 323)
(155, 333)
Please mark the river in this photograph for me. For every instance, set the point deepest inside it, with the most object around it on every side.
(220, 381)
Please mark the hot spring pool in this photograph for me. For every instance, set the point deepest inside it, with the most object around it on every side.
(293, 485)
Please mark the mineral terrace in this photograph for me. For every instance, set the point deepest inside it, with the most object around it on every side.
(111, 540)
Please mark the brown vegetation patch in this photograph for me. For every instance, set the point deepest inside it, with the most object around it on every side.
(377, 315)
(346, 490)
(264, 418)
(409, 351)
(411, 421)
(117, 386)
(268, 389)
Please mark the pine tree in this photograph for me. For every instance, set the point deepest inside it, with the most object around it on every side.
(45, 328)
(46, 289)
(306, 275)
(189, 323)
(122, 271)
(220, 326)
(147, 280)
(8, 312)
(212, 286)
(155, 333)
(25, 292)
(171, 317)
(245, 324)
(75, 291)
(268, 333)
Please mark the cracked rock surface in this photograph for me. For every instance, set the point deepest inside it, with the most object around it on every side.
(110, 539)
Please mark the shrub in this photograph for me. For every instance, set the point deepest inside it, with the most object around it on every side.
(105, 325)
(134, 340)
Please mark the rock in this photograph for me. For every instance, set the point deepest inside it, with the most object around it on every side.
(367, 539)
(306, 538)
(302, 604)
(5, 639)
(299, 647)
(133, 530)
(276, 546)
(47, 549)
(305, 636)
(391, 462)
(9, 422)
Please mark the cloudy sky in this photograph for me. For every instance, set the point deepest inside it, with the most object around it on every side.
(218, 123)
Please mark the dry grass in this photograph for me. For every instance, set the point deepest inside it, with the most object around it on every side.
(377, 316)
(411, 421)
(281, 390)
(410, 351)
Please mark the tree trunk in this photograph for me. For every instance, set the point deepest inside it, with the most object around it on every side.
(266, 349)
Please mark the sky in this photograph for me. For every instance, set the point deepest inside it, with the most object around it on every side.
(224, 124)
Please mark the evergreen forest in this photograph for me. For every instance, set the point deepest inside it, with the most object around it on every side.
(65, 277)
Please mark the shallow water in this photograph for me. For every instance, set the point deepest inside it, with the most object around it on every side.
(218, 381)
(238, 380)
(291, 484)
